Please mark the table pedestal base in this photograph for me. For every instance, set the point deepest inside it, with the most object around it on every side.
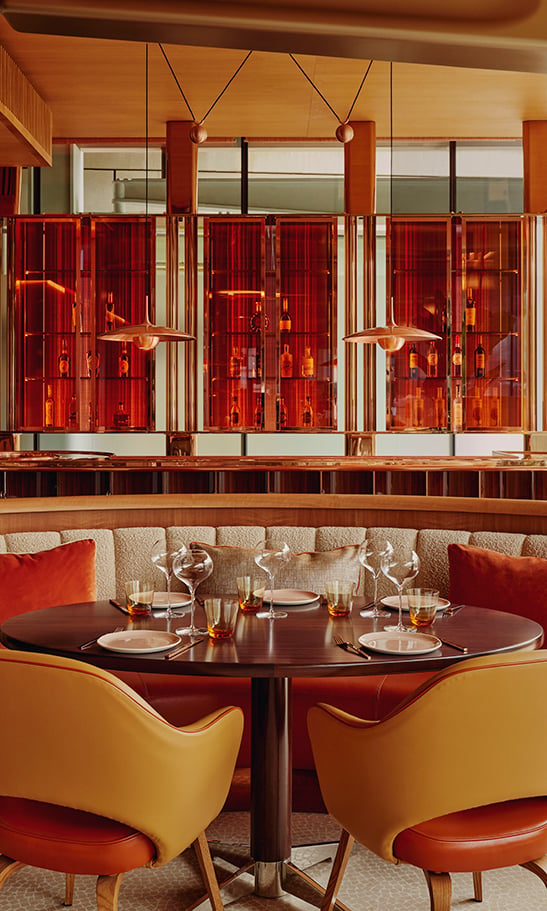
(269, 878)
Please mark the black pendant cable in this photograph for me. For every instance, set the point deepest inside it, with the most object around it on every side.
(391, 337)
(198, 133)
(146, 335)
(344, 131)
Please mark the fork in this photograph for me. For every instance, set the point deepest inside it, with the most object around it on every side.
(351, 647)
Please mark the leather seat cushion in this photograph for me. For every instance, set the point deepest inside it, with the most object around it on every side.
(483, 838)
(69, 841)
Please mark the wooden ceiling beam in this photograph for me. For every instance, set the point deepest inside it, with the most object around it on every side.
(26, 121)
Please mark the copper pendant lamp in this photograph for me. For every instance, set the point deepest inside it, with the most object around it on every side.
(146, 335)
(391, 337)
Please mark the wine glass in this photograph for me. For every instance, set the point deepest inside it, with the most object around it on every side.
(192, 567)
(270, 559)
(400, 567)
(370, 556)
(163, 556)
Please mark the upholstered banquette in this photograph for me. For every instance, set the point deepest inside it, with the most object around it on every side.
(478, 558)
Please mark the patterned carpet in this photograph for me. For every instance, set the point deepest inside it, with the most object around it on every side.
(370, 884)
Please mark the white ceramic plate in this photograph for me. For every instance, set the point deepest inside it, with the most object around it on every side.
(393, 602)
(288, 596)
(178, 599)
(138, 641)
(400, 643)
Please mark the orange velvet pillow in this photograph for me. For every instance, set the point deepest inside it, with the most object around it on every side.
(485, 578)
(62, 575)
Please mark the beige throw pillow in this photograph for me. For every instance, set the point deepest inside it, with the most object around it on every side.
(305, 572)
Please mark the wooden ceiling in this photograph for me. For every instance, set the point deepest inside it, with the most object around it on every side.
(94, 87)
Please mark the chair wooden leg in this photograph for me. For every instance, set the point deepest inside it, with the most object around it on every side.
(69, 889)
(539, 867)
(201, 847)
(440, 890)
(477, 886)
(338, 869)
(108, 890)
(7, 867)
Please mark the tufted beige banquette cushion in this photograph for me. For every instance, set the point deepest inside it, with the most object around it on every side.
(124, 553)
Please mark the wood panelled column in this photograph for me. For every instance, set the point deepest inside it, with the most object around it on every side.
(10, 191)
(181, 169)
(534, 150)
(360, 170)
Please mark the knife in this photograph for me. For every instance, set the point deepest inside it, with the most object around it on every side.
(183, 648)
(459, 648)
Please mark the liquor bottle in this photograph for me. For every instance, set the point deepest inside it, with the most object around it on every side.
(476, 409)
(93, 362)
(308, 363)
(234, 367)
(109, 311)
(413, 362)
(121, 417)
(479, 359)
(124, 363)
(432, 360)
(495, 410)
(457, 411)
(49, 408)
(285, 321)
(259, 413)
(63, 361)
(439, 409)
(282, 416)
(418, 420)
(286, 362)
(255, 358)
(93, 415)
(259, 320)
(443, 321)
(235, 414)
(470, 312)
(307, 413)
(72, 413)
(457, 358)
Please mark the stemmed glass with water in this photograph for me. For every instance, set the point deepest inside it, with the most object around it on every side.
(163, 556)
(192, 567)
(270, 559)
(370, 556)
(400, 567)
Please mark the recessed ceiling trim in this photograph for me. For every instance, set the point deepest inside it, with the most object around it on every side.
(486, 34)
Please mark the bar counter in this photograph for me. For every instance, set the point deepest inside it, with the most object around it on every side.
(50, 474)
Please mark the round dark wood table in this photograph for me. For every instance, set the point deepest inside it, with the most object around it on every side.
(271, 653)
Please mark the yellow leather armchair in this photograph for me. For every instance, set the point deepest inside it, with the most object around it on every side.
(453, 780)
(88, 764)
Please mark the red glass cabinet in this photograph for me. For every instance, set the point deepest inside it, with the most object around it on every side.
(72, 279)
(465, 279)
(270, 324)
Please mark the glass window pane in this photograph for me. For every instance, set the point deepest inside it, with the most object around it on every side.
(489, 177)
(297, 178)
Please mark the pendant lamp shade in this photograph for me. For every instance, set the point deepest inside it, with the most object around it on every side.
(391, 337)
(146, 335)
